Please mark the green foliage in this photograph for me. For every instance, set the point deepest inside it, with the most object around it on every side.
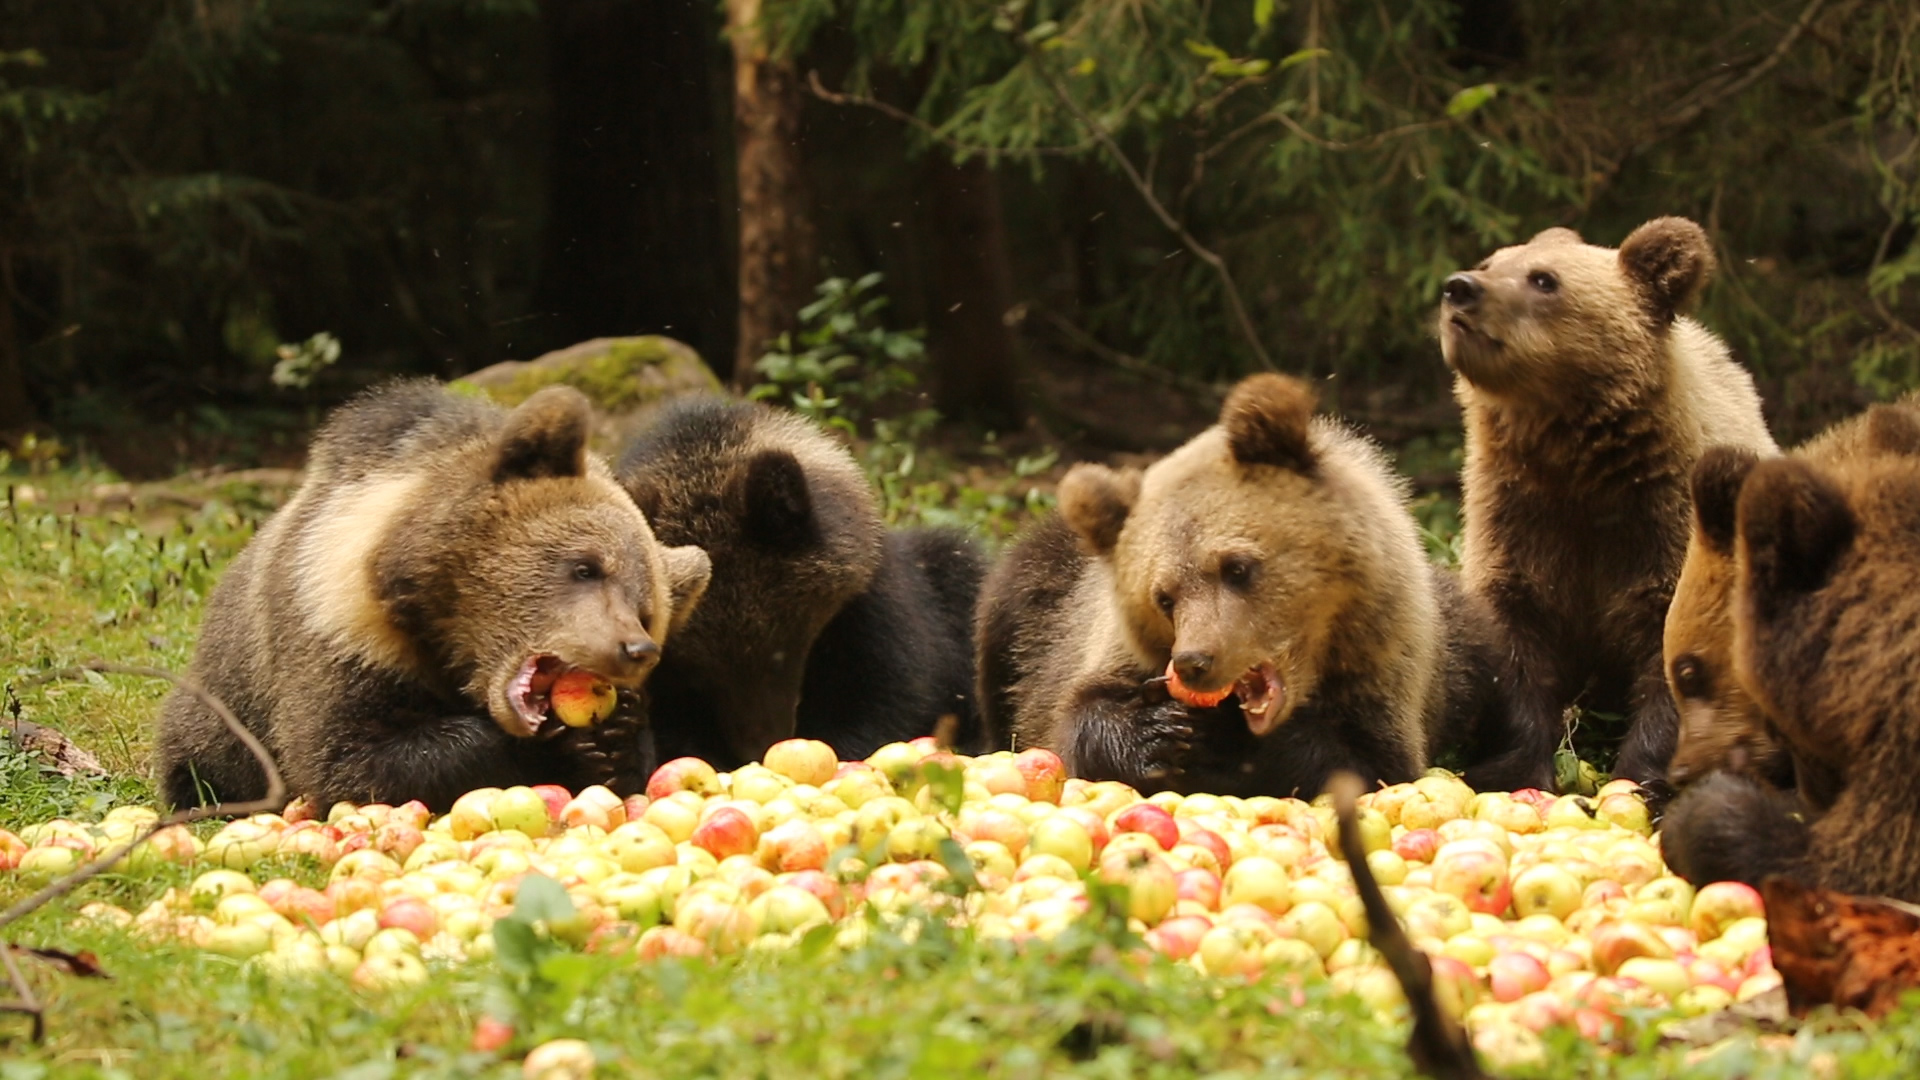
(845, 369)
(1344, 158)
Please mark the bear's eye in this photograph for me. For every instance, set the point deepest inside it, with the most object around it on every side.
(1236, 572)
(1544, 281)
(1690, 677)
(1163, 600)
(588, 570)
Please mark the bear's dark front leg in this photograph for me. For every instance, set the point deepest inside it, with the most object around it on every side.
(1652, 736)
(1534, 725)
(1121, 730)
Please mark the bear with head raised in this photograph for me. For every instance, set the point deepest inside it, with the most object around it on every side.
(1826, 602)
(1251, 613)
(394, 632)
(1588, 396)
(1720, 726)
(821, 622)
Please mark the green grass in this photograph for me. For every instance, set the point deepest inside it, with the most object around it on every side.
(127, 584)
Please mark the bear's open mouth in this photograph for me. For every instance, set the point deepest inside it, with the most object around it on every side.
(1262, 692)
(531, 689)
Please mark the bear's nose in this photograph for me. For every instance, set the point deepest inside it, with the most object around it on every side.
(642, 650)
(1192, 667)
(1461, 291)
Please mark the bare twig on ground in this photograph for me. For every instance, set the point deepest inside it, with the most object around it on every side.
(275, 798)
(1438, 1046)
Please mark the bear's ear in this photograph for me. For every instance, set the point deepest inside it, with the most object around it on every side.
(1671, 260)
(1095, 502)
(545, 437)
(1717, 479)
(1556, 235)
(1267, 418)
(688, 571)
(1794, 528)
(774, 504)
(1892, 429)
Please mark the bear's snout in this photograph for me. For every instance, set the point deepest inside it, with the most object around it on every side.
(1192, 667)
(1462, 291)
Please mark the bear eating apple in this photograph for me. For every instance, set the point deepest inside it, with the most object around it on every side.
(396, 630)
(1271, 567)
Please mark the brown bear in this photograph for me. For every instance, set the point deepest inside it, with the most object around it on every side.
(821, 622)
(1825, 612)
(1272, 562)
(393, 631)
(1720, 727)
(1587, 397)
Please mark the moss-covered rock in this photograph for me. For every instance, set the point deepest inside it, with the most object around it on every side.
(628, 379)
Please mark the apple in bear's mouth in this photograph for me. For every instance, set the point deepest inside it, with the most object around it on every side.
(547, 690)
(1261, 691)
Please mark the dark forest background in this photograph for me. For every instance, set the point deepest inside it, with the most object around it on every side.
(1159, 194)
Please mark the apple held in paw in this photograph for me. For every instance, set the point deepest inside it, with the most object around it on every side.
(582, 699)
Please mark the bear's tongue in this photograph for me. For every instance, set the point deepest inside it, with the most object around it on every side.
(1261, 692)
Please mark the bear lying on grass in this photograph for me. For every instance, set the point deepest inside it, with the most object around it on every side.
(821, 622)
(1825, 614)
(1271, 565)
(393, 631)
(1588, 398)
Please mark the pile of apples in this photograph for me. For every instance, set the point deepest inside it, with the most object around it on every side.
(1535, 910)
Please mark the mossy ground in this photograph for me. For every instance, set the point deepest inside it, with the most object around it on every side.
(80, 580)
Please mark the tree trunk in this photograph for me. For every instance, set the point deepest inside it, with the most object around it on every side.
(973, 351)
(639, 175)
(16, 409)
(777, 245)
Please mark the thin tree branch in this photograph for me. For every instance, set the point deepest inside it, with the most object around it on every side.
(275, 798)
(26, 1002)
(839, 97)
(1438, 1046)
(1173, 225)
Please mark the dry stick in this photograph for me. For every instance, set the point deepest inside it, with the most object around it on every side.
(1188, 240)
(1438, 1046)
(275, 798)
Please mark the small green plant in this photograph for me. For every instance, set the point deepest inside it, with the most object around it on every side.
(301, 362)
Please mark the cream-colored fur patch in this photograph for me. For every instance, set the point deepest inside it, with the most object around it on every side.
(333, 565)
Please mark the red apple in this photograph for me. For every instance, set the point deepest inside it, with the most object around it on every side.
(1200, 836)
(1045, 773)
(1149, 881)
(491, 1034)
(1417, 845)
(820, 885)
(635, 806)
(555, 796)
(1179, 937)
(1200, 885)
(1514, 975)
(792, 845)
(1455, 986)
(999, 775)
(1474, 872)
(726, 831)
(996, 825)
(581, 699)
(412, 914)
(658, 941)
(683, 774)
(1616, 942)
(301, 809)
(1145, 817)
(1089, 820)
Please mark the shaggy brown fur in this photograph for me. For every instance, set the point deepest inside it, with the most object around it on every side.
(1588, 397)
(1273, 551)
(1720, 727)
(388, 633)
(1827, 640)
(820, 621)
